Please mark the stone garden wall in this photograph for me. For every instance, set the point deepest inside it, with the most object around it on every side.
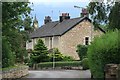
(112, 71)
(16, 72)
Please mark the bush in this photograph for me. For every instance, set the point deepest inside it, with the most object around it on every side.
(58, 55)
(84, 63)
(102, 51)
(40, 53)
(67, 58)
(82, 51)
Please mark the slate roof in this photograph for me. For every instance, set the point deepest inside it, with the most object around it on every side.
(56, 28)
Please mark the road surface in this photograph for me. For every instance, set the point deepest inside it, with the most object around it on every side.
(59, 74)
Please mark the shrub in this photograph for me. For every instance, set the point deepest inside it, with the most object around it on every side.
(102, 51)
(67, 58)
(40, 53)
(58, 55)
(84, 63)
(82, 51)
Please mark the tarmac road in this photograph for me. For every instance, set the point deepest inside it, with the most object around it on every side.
(59, 74)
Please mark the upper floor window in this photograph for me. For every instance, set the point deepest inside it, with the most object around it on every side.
(86, 40)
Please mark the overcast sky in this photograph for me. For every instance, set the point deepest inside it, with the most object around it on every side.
(53, 8)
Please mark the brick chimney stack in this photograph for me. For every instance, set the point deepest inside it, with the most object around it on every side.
(47, 19)
(64, 16)
(84, 12)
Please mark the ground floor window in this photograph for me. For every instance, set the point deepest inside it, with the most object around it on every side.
(50, 42)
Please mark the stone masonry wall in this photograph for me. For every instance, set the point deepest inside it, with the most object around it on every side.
(15, 72)
(70, 40)
(112, 71)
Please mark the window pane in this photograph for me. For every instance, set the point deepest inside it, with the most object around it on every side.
(86, 40)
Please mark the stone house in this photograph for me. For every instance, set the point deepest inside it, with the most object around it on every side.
(65, 34)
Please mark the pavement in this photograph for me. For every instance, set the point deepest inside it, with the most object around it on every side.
(59, 74)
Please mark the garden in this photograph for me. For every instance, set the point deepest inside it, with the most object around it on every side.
(42, 58)
(16, 26)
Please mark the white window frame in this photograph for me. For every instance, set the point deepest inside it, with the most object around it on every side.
(85, 40)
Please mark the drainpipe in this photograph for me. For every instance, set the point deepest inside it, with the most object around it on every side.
(53, 54)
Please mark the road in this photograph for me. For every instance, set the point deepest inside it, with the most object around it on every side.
(59, 74)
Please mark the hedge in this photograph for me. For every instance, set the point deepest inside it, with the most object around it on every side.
(85, 64)
(82, 51)
(60, 64)
(103, 50)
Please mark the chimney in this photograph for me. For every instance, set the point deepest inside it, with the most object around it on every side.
(84, 12)
(47, 19)
(64, 16)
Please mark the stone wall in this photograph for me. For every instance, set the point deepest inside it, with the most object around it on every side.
(112, 71)
(16, 72)
(70, 40)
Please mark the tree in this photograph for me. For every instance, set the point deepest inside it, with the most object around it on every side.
(105, 14)
(98, 13)
(40, 53)
(13, 16)
(7, 55)
(103, 50)
(114, 17)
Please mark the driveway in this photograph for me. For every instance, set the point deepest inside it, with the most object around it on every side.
(59, 74)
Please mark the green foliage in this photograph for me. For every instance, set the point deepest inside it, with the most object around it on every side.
(27, 24)
(85, 64)
(13, 16)
(82, 51)
(55, 53)
(58, 56)
(105, 14)
(19, 56)
(60, 64)
(40, 53)
(7, 55)
(98, 13)
(67, 58)
(114, 17)
(104, 50)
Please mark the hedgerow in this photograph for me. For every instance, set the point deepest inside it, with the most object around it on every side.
(103, 50)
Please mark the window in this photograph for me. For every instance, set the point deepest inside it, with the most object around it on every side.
(47, 41)
(50, 42)
(86, 40)
(55, 41)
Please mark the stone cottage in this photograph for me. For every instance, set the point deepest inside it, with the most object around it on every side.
(64, 34)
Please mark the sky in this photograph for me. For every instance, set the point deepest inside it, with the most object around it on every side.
(54, 8)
